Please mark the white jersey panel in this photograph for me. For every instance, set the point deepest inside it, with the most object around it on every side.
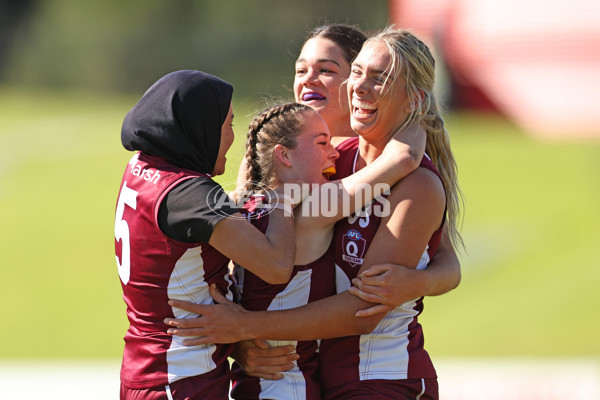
(384, 352)
(184, 284)
(424, 261)
(342, 282)
(293, 384)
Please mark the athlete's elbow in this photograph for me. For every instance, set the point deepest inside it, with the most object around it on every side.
(280, 273)
(451, 284)
(413, 159)
(408, 162)
(457, 280)
(365, 326)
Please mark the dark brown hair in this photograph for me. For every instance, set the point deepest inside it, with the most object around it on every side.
(347, 37)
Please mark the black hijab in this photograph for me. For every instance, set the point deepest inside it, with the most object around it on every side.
(179, 118)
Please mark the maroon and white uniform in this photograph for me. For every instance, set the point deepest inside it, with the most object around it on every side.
(308, 283)
(394, 350)
(155, 268)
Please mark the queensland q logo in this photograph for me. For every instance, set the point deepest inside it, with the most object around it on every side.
(354, 247)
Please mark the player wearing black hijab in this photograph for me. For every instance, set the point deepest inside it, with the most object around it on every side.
(175, 234)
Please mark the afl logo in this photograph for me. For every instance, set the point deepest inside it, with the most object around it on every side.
(353, 234)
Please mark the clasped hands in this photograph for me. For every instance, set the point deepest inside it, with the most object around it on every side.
(387, 285)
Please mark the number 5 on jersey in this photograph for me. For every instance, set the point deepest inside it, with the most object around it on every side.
(127, 196)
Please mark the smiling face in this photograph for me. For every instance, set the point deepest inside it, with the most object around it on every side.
(227, 137)
(313, 152)
(321, 70)
(379, 104)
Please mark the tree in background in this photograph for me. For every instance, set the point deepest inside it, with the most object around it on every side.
(115, 45)
(13, 15)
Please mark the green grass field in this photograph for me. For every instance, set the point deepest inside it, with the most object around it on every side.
(530, 274)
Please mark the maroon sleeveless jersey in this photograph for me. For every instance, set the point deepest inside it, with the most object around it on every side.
(308, 283)
(153, 269)
(394, 350)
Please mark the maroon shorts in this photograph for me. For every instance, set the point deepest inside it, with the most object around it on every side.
(212, 385)
(380, 389)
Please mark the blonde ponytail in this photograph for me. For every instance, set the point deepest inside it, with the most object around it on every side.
(412, 60)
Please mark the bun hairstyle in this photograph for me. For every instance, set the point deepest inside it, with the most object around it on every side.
(413, 61)
(278, 124)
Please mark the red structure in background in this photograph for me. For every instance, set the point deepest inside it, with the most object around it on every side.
(536, 61)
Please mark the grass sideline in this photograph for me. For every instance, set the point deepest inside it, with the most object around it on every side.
(531, 227)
